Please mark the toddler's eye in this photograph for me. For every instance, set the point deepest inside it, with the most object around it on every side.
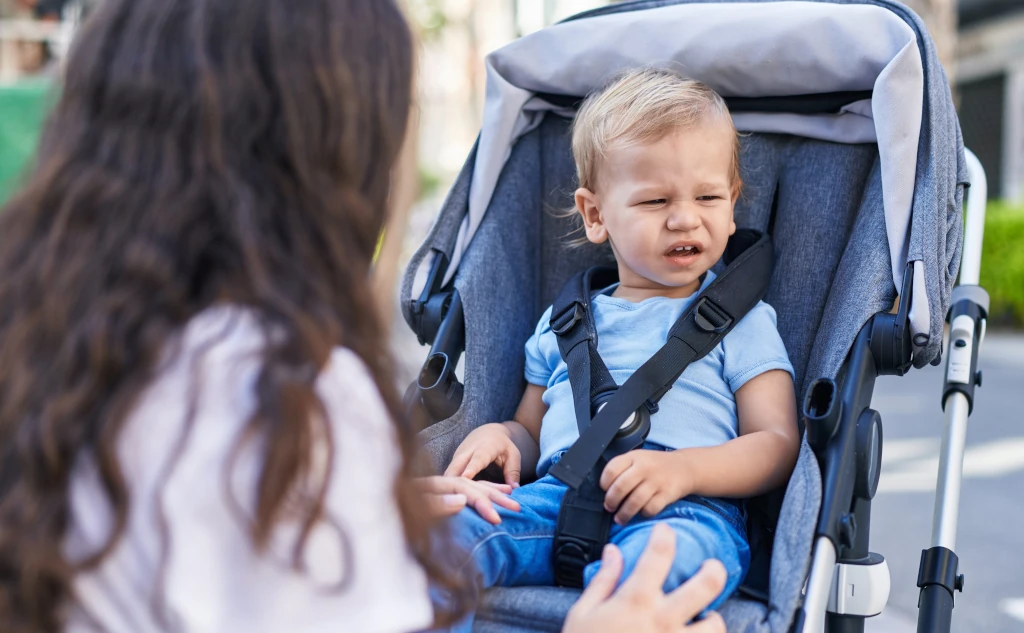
(709, 198)
(655, 202)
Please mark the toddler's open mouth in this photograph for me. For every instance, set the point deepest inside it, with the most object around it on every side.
(683, 253)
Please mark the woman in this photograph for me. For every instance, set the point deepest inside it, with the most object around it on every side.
(195, 403)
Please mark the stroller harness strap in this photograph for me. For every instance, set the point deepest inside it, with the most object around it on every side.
(700, 328)
(613, 420)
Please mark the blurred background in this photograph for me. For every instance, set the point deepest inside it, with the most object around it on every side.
(981, 44)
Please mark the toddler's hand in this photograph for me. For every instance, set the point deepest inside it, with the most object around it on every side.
(644, 482)
(486, 445)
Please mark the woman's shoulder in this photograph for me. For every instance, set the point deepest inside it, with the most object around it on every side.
(213, 366)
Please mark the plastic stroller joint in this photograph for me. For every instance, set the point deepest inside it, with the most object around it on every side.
(821, 413)
(938, 579)
(869, 454)
(429, 311)
(437, 389)
(939, 567)
(860, 588)
(966, 318)
(890, 338)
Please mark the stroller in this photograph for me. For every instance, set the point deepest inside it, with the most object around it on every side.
(854, 164)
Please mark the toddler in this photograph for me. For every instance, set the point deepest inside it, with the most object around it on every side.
(657, 160)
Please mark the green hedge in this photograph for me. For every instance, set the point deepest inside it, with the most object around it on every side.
(1002, 263)
(23, 107)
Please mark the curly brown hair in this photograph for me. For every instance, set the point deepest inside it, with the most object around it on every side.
(201, 152)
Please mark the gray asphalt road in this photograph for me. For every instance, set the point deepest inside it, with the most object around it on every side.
(990, 540)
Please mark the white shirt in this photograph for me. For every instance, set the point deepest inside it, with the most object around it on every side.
(213, 580)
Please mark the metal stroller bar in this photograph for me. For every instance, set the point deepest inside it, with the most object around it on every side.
(938, 576)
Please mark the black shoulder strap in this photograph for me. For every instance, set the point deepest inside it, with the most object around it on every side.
(699, 329)
(572, 321)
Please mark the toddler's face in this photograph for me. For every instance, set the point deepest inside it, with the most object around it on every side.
(666, 207)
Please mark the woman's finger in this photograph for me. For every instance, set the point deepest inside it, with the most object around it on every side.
(654, 563)
(603, 584)
(476, 492)
(445, 505)
(693, 596)
(503, 500)
(485, 509)
(502, 488)
(436, 484)
(713, 623)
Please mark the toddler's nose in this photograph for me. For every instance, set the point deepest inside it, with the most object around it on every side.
(682, 217)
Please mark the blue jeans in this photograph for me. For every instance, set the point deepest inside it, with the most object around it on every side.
(518, 551)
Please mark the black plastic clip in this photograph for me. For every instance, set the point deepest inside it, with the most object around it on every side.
(710, 317)
(564, 321)
(939, 567)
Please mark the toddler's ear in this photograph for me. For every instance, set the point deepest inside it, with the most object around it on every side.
(588, 206)
(732, 218)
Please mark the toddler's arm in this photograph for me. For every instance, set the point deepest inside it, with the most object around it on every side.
(513, 445)
(759, 460)
(763, 456)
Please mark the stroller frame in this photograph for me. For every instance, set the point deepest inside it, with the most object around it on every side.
(846, 582)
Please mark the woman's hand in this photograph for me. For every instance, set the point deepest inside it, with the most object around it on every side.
(486, 445)
(448, 495)
(644, 482)
(640, 605)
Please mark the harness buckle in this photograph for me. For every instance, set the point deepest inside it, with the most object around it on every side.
(710, 317)
(582, 530)
(570, 558)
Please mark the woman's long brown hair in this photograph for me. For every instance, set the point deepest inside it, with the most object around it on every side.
(201, 152)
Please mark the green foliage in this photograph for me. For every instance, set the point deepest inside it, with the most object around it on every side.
(1002, 262)
(23, 108)
(428, 16)
(429, 182)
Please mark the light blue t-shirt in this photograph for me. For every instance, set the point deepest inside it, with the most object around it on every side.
(700, 410)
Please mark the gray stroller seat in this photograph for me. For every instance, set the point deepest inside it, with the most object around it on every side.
(812, 154)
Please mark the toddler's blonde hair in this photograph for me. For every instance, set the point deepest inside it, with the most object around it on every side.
(644, 106)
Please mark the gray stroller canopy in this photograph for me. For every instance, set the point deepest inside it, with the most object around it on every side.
(762, 49)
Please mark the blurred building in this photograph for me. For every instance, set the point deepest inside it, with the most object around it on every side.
(980, 41)
(456, 36)
(990, 87)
